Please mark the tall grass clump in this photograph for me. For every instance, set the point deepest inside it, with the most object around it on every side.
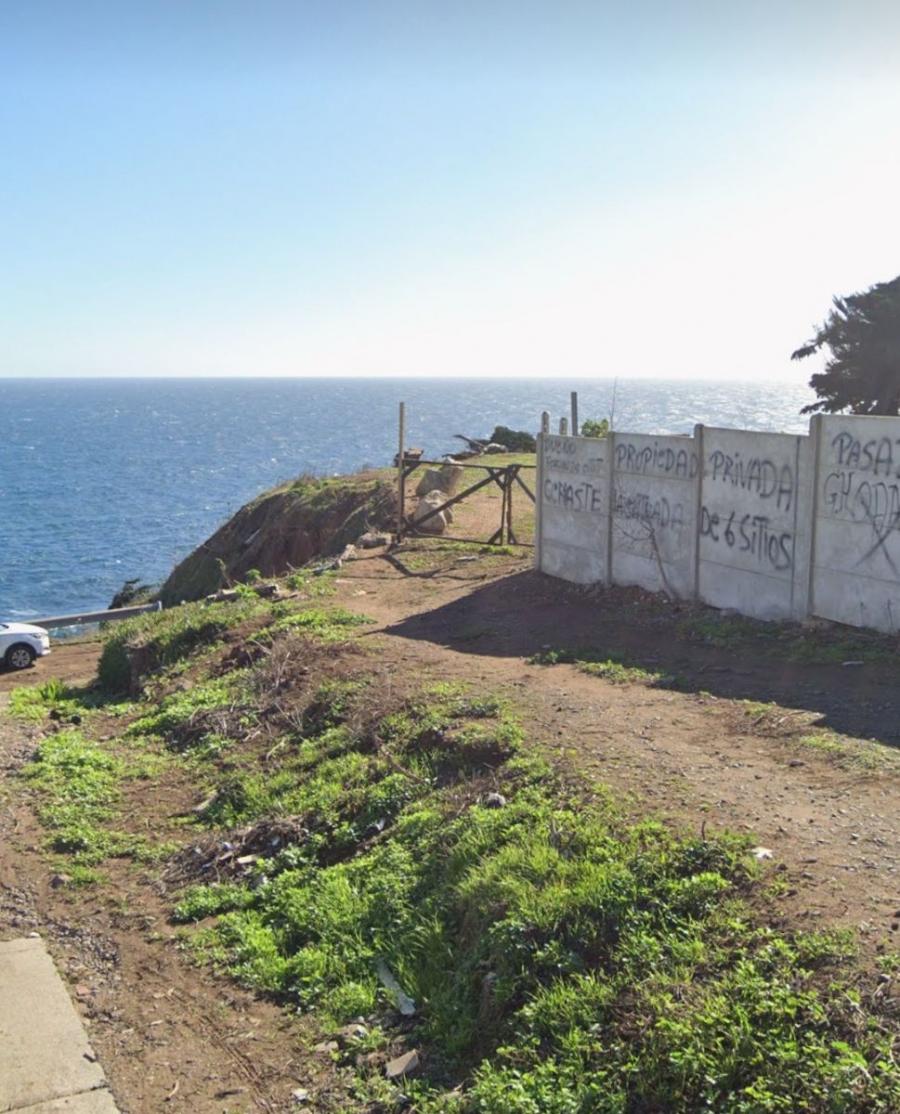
(34, 702)
(164, 638)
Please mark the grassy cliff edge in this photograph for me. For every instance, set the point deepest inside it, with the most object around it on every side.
(283, 529)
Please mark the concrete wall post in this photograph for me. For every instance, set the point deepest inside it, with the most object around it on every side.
(698, 506)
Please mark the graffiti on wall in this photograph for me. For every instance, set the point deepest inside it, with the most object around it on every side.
(760, 534)
(862, 486)
(573, 479)
(653, 508)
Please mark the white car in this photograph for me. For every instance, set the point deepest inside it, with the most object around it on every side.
(21, 643)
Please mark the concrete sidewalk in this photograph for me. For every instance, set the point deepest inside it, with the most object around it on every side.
(46, 1063)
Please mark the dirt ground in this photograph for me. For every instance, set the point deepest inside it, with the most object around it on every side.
(171, 1037)
(692, 755)
(73, 662)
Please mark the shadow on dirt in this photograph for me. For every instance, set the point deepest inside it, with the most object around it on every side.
(848, 677)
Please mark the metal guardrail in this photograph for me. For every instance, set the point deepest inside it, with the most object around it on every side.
(95, 616)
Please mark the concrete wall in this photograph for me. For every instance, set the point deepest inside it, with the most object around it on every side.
(654, 505)
(753, 544)
(573, 508)
(771, 525)
(856, 553)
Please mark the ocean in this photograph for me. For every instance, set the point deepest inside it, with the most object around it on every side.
(102, 480)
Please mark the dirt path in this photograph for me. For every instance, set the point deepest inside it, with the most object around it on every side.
(73, 662)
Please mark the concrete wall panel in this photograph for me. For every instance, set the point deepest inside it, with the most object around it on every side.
(753, 527)
(654, 509)
(573, 507)
(856, 554)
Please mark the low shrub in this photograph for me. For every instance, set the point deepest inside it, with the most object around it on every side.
(593, 427)
(516, 440)
(167, 637)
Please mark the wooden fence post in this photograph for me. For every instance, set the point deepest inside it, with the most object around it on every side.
(510, 480)
(401, 472)
(539, 490)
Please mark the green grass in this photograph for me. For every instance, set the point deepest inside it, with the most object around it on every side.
(418, 555)
(562, 958)
(76, 774)
(185, 719)
(595, 664)
(172, 639)
(758, 709)
(80, 875)
(502, 459)
(77, 782)
(199, 902)
(78, 785)
(850, 754)
(64, 702)
(312, 586)
(35, 702)
(169, 637)
(789, 641)
(323, 624)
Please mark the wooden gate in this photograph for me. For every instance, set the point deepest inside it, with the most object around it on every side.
(507, 477)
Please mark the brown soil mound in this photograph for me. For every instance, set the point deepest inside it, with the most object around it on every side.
(282, 530)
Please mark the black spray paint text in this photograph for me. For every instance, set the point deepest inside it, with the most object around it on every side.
(876, 503)
(751, 533)
(876, 455)
(658, 513)
(680, 463)
(761, 477)
(581, 497)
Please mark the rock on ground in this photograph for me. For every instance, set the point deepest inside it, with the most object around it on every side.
(446, 479)
(437, 523)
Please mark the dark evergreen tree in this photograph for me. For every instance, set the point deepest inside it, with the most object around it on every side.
(862, 372)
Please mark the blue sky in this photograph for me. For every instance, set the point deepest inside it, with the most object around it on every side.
(357, 188)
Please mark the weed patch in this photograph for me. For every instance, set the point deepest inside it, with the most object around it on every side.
(562, 959)
(78, 786)
(312, 586)
(425, 554)
(35, 702)
(789, 641)
(204, 716)
(64, 703)
(850, 754)
(595, 664)
(164, 638)
(322, 624)
(78, 783)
